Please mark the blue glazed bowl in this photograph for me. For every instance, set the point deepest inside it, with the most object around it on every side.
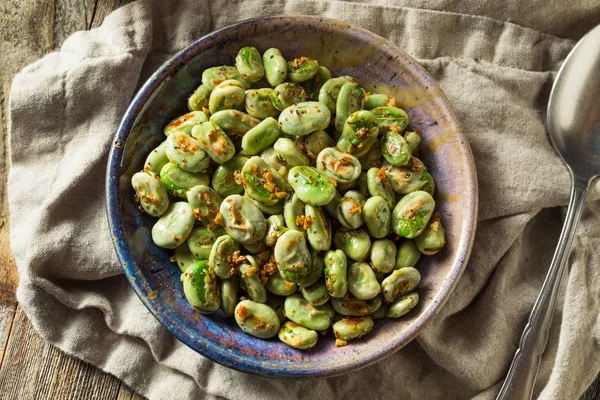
(346, 50)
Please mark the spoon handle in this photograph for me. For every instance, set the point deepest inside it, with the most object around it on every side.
(520, 380)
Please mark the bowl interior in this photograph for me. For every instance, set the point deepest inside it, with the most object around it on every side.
(346, 50)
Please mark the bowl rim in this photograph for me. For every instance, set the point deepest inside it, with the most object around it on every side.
(210, 350)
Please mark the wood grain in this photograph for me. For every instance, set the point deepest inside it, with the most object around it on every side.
(30, 367)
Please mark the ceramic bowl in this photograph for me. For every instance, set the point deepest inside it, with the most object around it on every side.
(346, 50)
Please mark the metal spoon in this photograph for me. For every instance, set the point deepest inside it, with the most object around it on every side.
(573, 124)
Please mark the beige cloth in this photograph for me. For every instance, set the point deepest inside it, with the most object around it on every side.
(64, 110)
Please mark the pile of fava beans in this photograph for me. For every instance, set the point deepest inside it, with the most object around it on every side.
(294, 200)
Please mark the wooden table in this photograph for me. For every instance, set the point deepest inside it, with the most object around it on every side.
(30, 367)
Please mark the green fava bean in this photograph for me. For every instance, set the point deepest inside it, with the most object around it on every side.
(399, 283)
(286, 94)
(150, 192)
(157, 159)
(205, 202)
(408, 254)
(380, 313)
(201, 241)
(394, 148)
(371, 158)
(292, 256)
(317, 141)
(227, 95)
(378, 100)
(211, 77)
(352, 328)
(342, 167)
(412, 213)
(297, 336)
(220, 254)
(403, 306)
(408, 178)
(328, 93)
(256, 319)
(250, 277)
(258, 103)
(234, 122)
(304, 118)
(363, 186)
(316, 270)
(336, 273)
(224, 179)
(229, 295)
(273, 161)
(377, 216)
(429, 185)
(383, 255)
(314, 84)
(199, 99)
(174, 227)
(185, 123)
(186, 152)
(178, 181)
(279, 286)
(276, 208)
(302, 69)
(359, 133)
(362, 282)
(312, 186)
(349, 210)
(391, 119)
(379, 185)
(256, 248)
(316, 294)
(249, 63)
(214, 141)
(292, 209)
(319, 228)
(184, 257)
(354, 243)
(277, 304)
(263, 183)
(332, 206)
(350, 306)
(350, 99)
(201, 287)
(413, 139)
(275, 66)
(433, 238)
(287, 151)
(300, 311)
(261, 136)
(242, 220)
(275, 227)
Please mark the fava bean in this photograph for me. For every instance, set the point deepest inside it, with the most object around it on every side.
(288, 94)
(174, 227)
(380, 312)
(229, 295)
(350, 99)
(342, 167)
(185, 123)
(352, 328)
(403, 306)
(359, 133)
(221, 254)
(319, 228)
(336, 273)
(297, 336)
(355, 243)
(250, 280)
(408, 254)
(300, 311)
(249, 63)
(263, 183)
(150, 192)
(362, 282)
(277, 304)
(302, 69)
(258, 103)
(275, 66)
(214, 141)
(211, 77)
(205, 202)
(317, 141)
(234, 122)
(394, 148)
(288, 152)
(429, 185)
(379, 185)
(242, 220)
(199, 99)
(412, 213)
(328, 93)
(273, 161)
(201, 287)
(224, 179)
(378, 100)
(292, 256)
(157, 159)
(408, 178)
(316, 270)
(256, 319)
(178, 181)
(312, 186)
(276, 208)
(391, 119)
(433, 238)
(292, 209)
(314, 84)
(201, 241)
(371, 158)
(184, 258)
(227, 95)
(400, 282)
(186, 152)
(377, 216)
(383, 255)
(350, 306)
(279, 286)
(349, 210)
(413, 139)
(304, 118)
(316, 294)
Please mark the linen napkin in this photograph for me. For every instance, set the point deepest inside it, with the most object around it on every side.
(65, 108)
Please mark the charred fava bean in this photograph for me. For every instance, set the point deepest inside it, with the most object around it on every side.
(412, 213)
(300, 311)
(317, 141)
(288, 94)
(214, 141)
(342, 167)
(201, 287)
(330, 90)
(174, 226)
(349, 211)
(304, 118)
(293, 212)
(199, 99)
(157, 159)
(222, 254)
(262, 182)
(227, 95)
(250, 280)
(224, 179)
(408, 254)
(150, 192)
(336, 273)
(234, 122)
(205, 202)
(394, 148)
(399, 283)
(302, 69)
(184, 257)
(256, 319)
(242, 220)
(316, 270)
(279, 286)
(275, 66)
(407, 178)
(378, 100)
(352, 328)
(350, 306)
(292, 256)
(185, 123)
(391, 119)
(229, 295)
(211, 77)
(378, 184)
(433, 238)
(354, 243)
(297, 336)
(350, 99)
(312, 186)
(186, 152)
(249, 63)
(258, 103)
(201, 241)
(359, 133)
(383, 255)
(287, 151)
(319, 228)
(403, 306)
(275, 228)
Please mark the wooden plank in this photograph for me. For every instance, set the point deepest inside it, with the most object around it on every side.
(105, 7)
(125, 393)
(593, 392)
